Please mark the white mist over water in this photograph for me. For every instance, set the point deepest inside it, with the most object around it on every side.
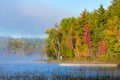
(4, 58)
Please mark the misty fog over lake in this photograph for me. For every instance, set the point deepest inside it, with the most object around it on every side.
(21, 49)
(5, 58)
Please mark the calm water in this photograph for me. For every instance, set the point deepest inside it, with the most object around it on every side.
(48, 71)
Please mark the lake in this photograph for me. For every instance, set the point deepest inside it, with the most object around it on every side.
(28, 70)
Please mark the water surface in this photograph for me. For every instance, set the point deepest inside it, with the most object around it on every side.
(44, 70)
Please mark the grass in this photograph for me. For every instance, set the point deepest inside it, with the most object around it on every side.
(67, 74)
(57, 76)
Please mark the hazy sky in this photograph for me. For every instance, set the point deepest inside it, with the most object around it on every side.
(30, 18)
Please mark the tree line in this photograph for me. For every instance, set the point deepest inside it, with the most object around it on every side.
(27, 46)
(92, 35)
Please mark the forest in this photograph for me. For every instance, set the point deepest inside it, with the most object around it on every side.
(92, 35)
(25, 46)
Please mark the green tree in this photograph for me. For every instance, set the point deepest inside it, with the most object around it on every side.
(16, 45)
(53, 42)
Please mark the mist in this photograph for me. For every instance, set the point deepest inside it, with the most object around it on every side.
(21, 49)
(5, 58)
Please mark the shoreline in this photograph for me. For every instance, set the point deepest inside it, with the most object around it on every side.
(81, 63)
(77, 61)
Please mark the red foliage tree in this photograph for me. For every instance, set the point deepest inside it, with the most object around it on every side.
(69, 43)
(102, 49)
(86, 38)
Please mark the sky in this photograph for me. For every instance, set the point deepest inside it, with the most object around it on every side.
(31, 18)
